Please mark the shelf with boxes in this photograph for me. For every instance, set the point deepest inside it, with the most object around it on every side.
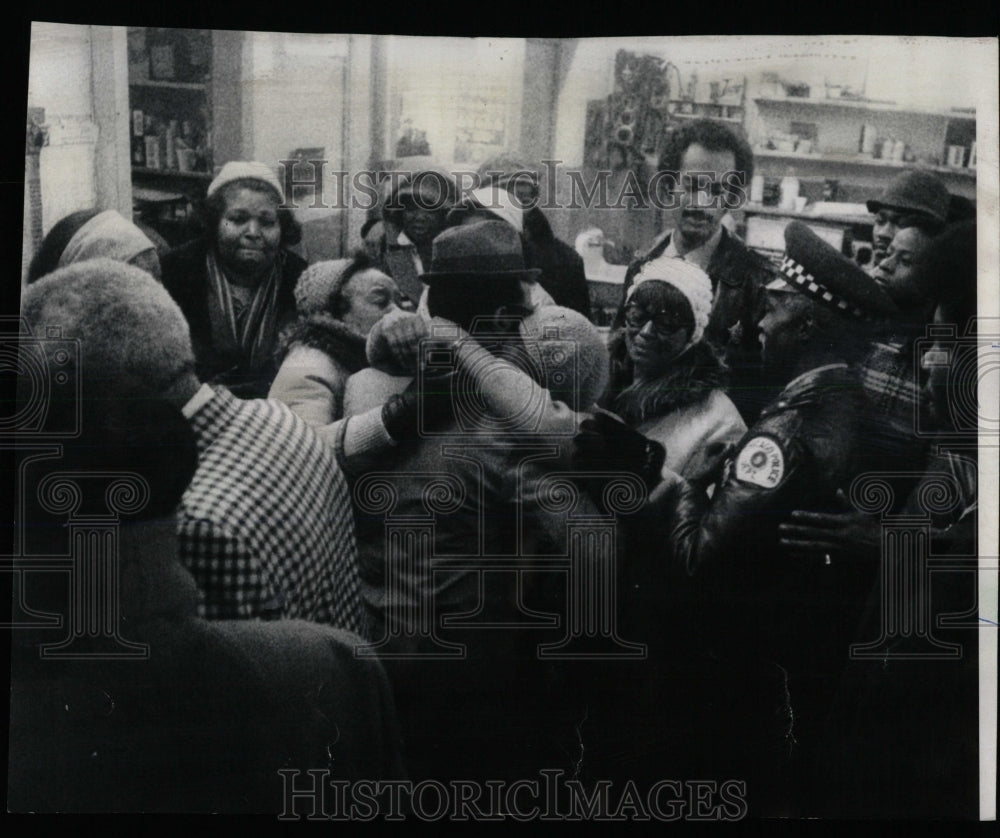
(861, 160)
(859, 144)
(185, 114)
(170, 97)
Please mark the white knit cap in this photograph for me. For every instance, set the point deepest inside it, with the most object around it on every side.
(687, 278)
(107, 235)
(245, 170)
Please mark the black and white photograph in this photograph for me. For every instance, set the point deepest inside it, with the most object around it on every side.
(425, 427)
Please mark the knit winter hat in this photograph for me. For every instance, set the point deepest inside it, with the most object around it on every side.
(687, 278)
(133, 338)
(245, 170)
(573, 356)
(317, 284)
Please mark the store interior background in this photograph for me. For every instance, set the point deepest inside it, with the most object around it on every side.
(363, 101)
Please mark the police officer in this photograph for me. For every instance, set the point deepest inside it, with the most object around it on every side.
(783, 622)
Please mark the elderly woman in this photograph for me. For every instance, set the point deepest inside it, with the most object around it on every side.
(236, 285)
(338, 303)
(92, 234)
(669, 383)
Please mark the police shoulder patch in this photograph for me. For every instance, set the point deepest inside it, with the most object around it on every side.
(761, 462)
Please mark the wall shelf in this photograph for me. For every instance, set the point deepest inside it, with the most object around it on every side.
(142, 170)
(732, 119)
(854, 104)
(171, 85)
(861, 160)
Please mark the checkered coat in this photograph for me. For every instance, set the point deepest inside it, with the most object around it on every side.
(266, 527)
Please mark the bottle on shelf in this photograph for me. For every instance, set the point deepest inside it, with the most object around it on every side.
(153, 142)
(171, 145)
(138, 138)
(789, 190)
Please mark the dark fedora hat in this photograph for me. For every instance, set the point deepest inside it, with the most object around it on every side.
(915, 190)
(488, 248)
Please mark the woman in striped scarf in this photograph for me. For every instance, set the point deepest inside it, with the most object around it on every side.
(236, 285)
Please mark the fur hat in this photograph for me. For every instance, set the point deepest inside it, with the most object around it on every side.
(572, 352)
(245, 170)
(687, 278)
(317, 284)
(133, 338)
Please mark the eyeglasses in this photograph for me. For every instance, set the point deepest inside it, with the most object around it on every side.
(664, 326)
(702, 186)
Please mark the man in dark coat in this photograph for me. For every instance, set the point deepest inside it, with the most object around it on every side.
(783, 624)
(738, 274)
(562, 274)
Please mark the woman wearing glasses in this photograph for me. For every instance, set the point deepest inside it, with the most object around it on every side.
(668, 382)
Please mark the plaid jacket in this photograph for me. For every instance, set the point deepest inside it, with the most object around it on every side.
(890, 380)
(266, 526)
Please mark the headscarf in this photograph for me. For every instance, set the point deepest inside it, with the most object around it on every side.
(107, 235)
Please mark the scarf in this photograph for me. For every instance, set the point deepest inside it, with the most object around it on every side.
(694, 374)
(255, 334)
(107, 234)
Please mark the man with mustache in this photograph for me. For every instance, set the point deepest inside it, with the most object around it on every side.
(707, 169)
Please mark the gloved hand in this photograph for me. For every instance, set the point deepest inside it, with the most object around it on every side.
(424, 406)
(605, 443)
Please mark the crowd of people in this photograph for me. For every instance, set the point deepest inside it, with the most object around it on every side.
(410, 514)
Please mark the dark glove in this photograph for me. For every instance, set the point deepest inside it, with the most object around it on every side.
(605, 443)
(424, 406)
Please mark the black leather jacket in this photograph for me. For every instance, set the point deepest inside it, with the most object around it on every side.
(805, 445)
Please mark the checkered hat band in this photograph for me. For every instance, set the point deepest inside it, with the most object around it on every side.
(807, 282)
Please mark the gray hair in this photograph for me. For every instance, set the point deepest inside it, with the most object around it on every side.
(133, 338)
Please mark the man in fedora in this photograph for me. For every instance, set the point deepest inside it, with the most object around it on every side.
(562, 274)
(474, 479)
(782, 622)
(483, 258)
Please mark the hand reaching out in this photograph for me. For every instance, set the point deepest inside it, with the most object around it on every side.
(826, 536)
(605, 443)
